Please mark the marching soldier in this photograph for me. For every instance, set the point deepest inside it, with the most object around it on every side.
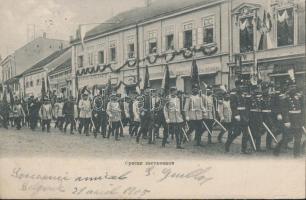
(146, 118)
(18, 110)
(114, 114)
(174, 118)
(209, 114)
(58, 112)
(137, 106)
(45, 114)
(256, 116)
(225, 114)
(294, 117)
(240, 114)
(97, 113)
(69, 112)
(194, 110)
(33, 110)
(267, 114)
(85, 114)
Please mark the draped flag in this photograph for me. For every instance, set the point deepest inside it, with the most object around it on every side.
(291, 74)
(166, 81)
(146, 79)
(265, 26)
(195, 79)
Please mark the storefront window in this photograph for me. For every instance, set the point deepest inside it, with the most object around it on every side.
(246, 34)
(285, 27)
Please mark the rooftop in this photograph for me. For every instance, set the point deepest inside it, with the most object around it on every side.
(65, 65)
(45, 61)
(158, 8)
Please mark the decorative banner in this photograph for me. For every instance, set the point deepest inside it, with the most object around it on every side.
(187, 53)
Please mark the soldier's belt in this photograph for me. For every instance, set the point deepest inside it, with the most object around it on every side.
(266, 111)
(240, 108)
(295, 111)
(255, 110)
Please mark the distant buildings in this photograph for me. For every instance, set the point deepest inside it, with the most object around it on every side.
(25, 57)
(231, 39)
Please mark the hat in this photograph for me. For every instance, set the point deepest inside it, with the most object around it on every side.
(173, 89)
(45, 99)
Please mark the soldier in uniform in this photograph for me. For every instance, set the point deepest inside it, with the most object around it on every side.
(85, 114)
(240, 116)
(146, 117)
(174, 118)
(19, 114)
(294, 117)
(159, 118)
(256, 115)
(114, 113)
(194, 110)
(209, 114)
(267, 112)
(137, 106)
(45, 114)
(68, 111)
(97, 113)
(225, 114)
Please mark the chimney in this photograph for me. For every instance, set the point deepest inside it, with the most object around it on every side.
(44, 35)
(148, 3)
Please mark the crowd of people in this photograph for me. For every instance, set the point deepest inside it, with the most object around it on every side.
(253, 111)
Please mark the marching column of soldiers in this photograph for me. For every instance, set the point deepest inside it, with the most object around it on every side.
(276, 112)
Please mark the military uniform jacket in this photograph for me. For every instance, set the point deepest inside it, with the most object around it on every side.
(18, 110)
(136, 111)
(85, 108)
(210, 108)
(114, 112)
(194, 107)
(45, 112)
(225, 112)
(172, 110)
(68, 108)
(296, 111)
(240, 104)
(58, 109)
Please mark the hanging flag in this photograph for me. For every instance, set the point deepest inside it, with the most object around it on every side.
(138, 90)
(146, 79)
(195, 79)
(166, 81)
(43, 88)
(109, 87)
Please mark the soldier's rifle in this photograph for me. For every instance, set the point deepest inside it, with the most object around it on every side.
(252, 139)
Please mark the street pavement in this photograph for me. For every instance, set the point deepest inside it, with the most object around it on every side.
(27, 143)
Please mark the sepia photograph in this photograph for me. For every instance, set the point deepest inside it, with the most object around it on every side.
(152, 99)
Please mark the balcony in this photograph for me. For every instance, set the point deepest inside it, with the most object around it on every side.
(275, 54)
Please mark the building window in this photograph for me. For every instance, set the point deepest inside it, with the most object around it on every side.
(113, 52)
(90, 58)
(208, 31)
(131, 50)
(170, 42)
(38, 82)
(152, 42)
(188, 39)
(27, 84)
(31, 83)
(80, 61)
(246, 34)
(285, 27)
(101, 57)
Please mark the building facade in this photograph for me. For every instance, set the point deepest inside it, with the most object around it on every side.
(228, 39)
(60, 79)
(25, 57)
(32, 79)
